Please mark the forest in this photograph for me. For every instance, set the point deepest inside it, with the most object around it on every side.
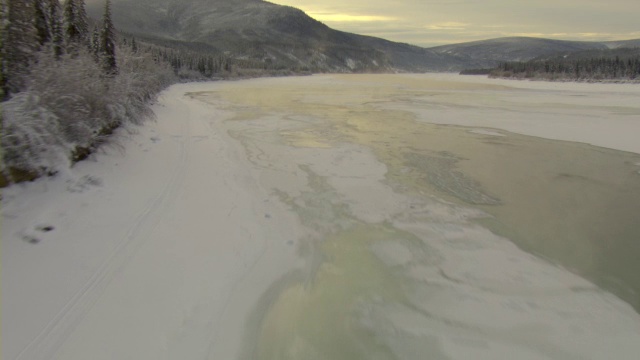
(601, 65)
(66, 84)
(68, 81)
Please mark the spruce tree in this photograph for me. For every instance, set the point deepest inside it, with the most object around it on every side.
(70, 28)
(55, 26)
(82, 22)
(48, 24)
(108, 41)
(95, 44)
(41, 22)
(19, 43)
(75, 23)
(4, 24)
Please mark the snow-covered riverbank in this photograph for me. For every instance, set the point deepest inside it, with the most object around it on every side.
(150, 249)
(254, 219)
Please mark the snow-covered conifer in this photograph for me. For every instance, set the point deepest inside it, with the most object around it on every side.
(71, 31)
(4, 24)
(75, 23)
(19, 44)
(81, 19)
(41, 22)
(48, 24)
(95, 44)
(54, 18)
(108, 41)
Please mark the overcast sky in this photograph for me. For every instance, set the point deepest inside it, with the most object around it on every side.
(437, 22)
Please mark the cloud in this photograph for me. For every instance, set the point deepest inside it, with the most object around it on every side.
(536, 34)
(449, 25)
(433, 22)
(337, 17)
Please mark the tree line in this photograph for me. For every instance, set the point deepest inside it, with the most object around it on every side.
(195, 61)
(619, 65)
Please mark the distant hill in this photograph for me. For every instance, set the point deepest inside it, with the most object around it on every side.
(259, 30)
(622, 44)
(491, 52)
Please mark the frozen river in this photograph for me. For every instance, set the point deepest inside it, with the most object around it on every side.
(340, 217)
(425, 199)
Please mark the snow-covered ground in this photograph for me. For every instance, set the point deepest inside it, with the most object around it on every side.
(152, 247)
(232, 219)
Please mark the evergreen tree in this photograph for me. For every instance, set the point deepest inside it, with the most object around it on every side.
(82, 22)
(95, 44)
(71, 31)
(55, 26)
(75, 22)
(41, 22)
(4, 24)
(48, 24)
(19, 43)
(108, 41)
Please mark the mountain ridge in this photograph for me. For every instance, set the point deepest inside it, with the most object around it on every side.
(265, 32)
(519, 48)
